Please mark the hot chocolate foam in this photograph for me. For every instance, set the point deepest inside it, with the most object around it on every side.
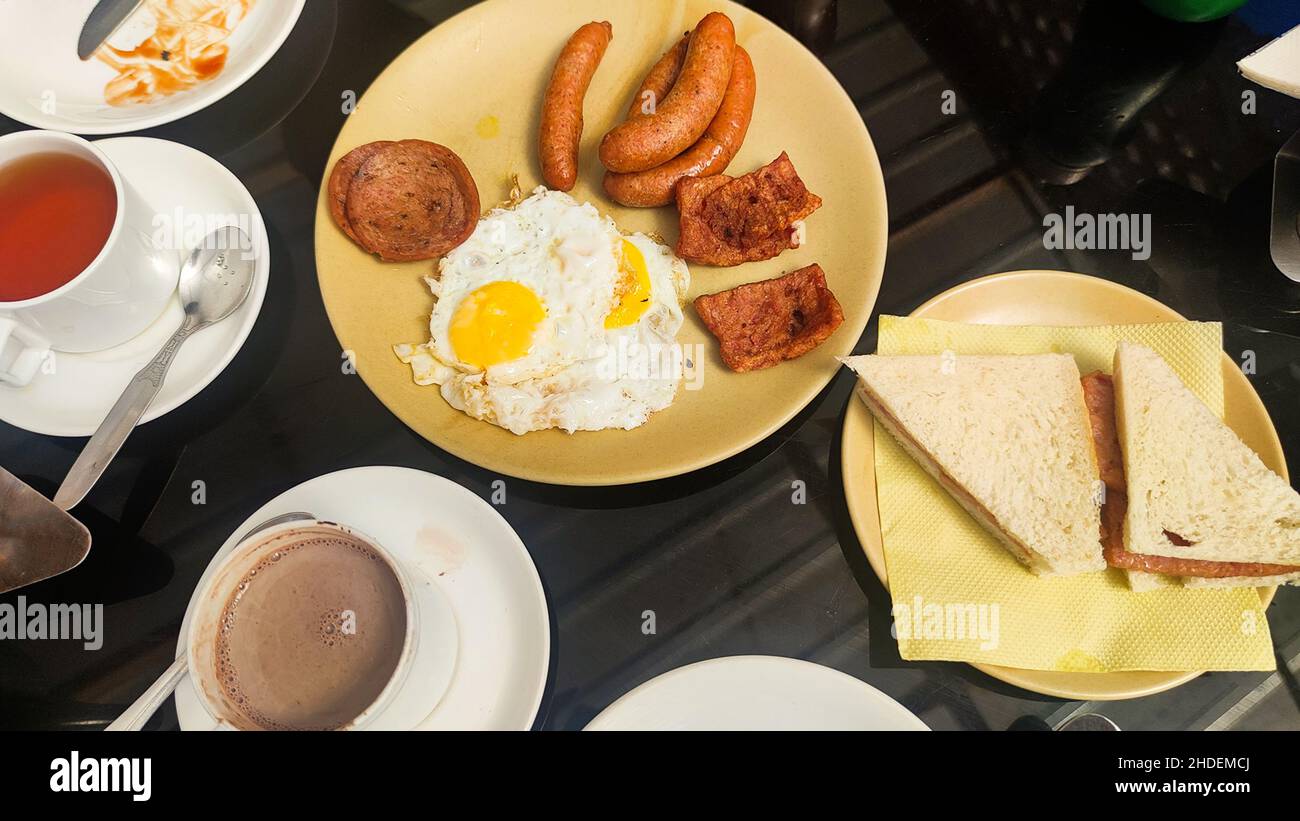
(311, 634)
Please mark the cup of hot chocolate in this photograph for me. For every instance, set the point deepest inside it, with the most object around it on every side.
(305, 625)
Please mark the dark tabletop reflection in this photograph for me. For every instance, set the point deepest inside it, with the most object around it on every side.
(1053, 103)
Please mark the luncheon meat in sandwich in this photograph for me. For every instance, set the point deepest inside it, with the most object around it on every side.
(1190, 475)
(1099, 397)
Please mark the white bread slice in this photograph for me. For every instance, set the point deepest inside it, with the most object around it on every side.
(1243, 581)
(1008, 437)
(1190, 475)
(1140, 581)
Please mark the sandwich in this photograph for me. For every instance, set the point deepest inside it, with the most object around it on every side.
(1008, 437)
(1031, 450)
(1185, 497)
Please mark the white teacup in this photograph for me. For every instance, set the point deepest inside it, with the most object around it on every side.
(119, 294)
(221, 585)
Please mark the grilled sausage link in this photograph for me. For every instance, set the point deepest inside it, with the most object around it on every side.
(561, 128)
(684, 114)
(660, 80)
(710, 155)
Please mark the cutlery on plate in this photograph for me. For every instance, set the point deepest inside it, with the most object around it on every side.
(104, 19)
(214, 282)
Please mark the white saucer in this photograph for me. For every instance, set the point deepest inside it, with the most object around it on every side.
(76, 397)
(755, 693)
(434, 663)
(44, 84)
(445, 534)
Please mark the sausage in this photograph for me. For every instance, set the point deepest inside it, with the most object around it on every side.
(661, 79)
(561, 127)
(683, 116)
(709, 156)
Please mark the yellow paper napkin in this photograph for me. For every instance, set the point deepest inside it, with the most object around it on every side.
(960, 596)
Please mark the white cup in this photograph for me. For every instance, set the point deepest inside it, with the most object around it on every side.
(211, 602)
(119, 294)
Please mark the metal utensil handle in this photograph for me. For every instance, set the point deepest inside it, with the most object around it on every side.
(283, 518)
(119, 423)
(148, 703)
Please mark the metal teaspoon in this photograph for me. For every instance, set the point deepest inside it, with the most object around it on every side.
(214, 282)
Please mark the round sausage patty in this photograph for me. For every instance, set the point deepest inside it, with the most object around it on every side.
(341, 180)
(412, 200)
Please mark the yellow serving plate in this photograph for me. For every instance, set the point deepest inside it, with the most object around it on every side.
(475, 84)
(1048, 298)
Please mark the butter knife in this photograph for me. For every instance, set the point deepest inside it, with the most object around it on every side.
(104, 19)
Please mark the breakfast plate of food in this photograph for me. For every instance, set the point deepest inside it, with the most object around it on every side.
(1124, 475)
(166, 60)
(633, 255)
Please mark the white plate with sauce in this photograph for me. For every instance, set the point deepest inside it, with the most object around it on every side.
(44, 84)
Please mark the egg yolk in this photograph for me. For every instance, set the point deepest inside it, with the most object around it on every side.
(632, 290)
(495, 324)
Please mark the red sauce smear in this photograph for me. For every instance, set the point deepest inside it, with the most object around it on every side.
(187, 48)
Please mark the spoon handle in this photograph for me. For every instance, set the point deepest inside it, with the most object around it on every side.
(148, 703)
(119, 423)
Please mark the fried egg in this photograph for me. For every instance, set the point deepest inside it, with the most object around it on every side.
(549, 317)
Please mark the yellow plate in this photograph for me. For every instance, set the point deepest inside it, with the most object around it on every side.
(1048, 298)
(475, 84)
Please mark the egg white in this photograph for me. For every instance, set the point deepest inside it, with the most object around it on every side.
(577, 374)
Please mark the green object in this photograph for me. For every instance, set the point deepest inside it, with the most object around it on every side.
(1194, 11)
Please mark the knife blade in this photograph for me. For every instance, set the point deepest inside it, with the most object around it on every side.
(104, 19)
